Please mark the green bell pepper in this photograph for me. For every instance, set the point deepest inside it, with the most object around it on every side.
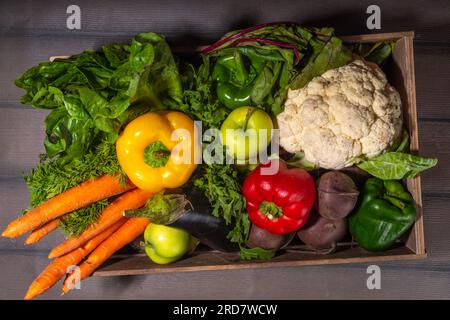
(385, 213)
(234, 81)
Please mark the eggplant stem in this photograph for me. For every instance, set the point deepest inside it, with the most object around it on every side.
(163, 209)
(179, 208)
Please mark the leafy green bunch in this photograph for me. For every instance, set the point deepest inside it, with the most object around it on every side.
(282, 56)
(93, 94)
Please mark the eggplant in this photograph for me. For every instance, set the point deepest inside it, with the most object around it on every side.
(190, 210)
(200, 223)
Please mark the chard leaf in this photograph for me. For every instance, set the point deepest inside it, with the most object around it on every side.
(332, 55)
(265, 82)
(374, 52)
(273, 52)
(397, 165)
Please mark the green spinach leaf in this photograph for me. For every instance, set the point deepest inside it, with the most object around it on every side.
(90, 93)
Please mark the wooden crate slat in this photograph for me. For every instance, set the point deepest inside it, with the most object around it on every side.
(208, 260)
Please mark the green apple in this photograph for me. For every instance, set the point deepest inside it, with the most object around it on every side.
(150, 251)
(246, 132)
(164, 244)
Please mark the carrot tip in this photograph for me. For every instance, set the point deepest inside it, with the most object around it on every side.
(7, 234)
(52, 255)
(29, 295)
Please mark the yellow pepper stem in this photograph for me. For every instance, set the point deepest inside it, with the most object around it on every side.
(156, 154)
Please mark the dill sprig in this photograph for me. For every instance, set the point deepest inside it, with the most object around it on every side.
(74, 223)
(52, 177)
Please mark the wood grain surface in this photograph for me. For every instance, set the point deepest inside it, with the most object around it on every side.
(31, 31)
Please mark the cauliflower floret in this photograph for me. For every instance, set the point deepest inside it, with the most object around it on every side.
(346, 113)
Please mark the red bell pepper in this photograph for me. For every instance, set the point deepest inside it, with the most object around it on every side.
(279, 203)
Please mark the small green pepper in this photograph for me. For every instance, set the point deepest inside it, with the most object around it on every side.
(234, 81)
(386, 212)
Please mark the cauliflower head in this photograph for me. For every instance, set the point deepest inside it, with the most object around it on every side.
(343, 115)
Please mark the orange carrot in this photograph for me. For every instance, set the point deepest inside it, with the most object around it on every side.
(129, 231)
(72, 199)
(58, 267)
(41, 232)
(133, 199)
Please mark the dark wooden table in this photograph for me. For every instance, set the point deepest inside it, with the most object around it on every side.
(31, 31)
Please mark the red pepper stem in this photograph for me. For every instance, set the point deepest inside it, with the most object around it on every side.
(270, 209)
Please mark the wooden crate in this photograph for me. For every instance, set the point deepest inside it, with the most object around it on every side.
(401, 75)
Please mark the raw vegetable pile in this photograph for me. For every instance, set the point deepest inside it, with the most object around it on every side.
(109, 167)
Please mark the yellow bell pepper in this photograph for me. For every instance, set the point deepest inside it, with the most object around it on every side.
(157, 150)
